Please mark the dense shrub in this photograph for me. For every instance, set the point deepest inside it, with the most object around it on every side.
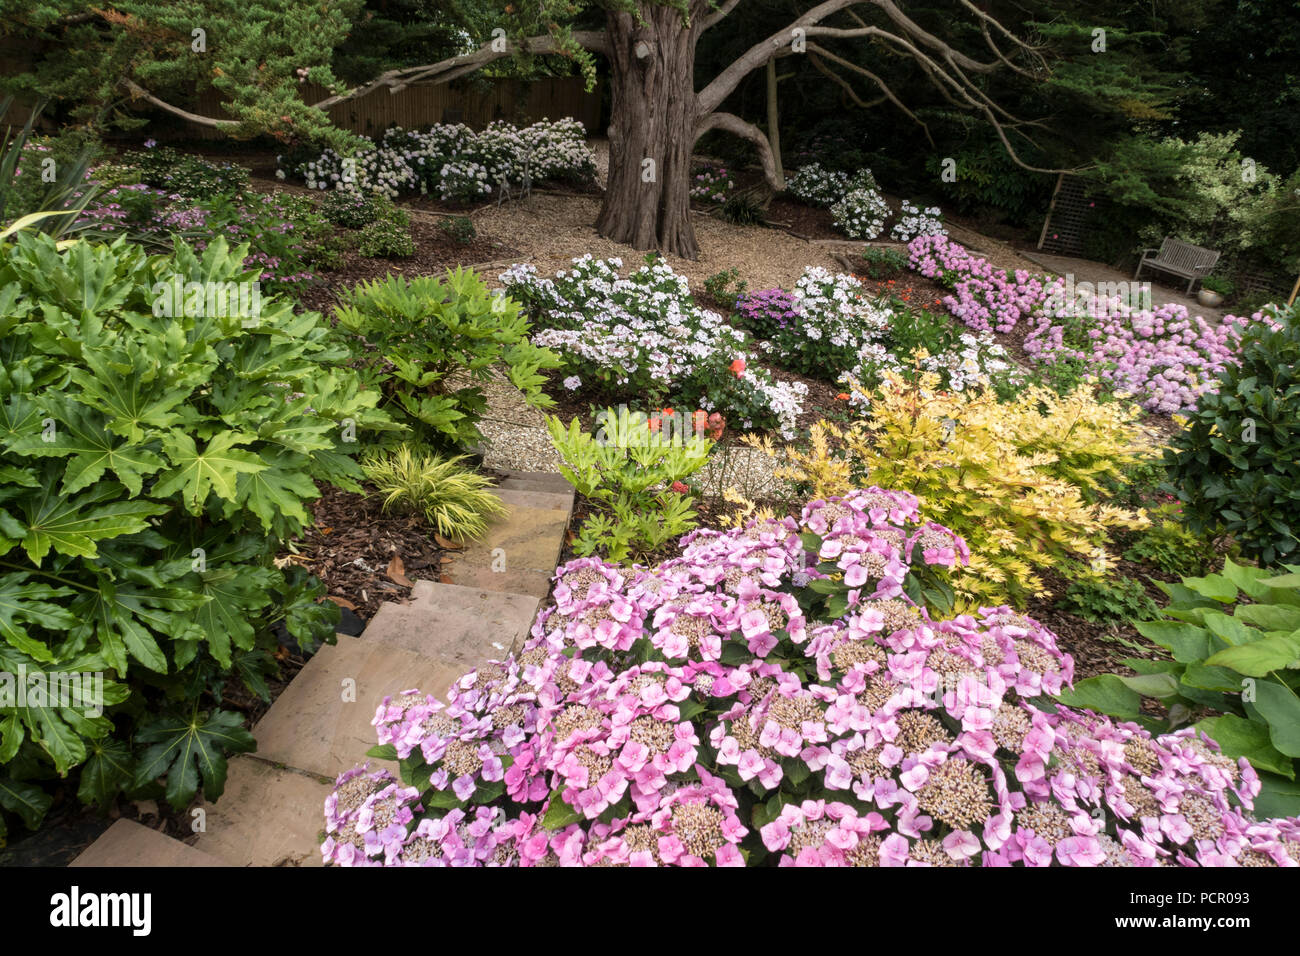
(633, 473)
(453, 162)
(642, 339)
(775, 696)
(1020, 481)
(1234, 638)
(411, 336)
(155, 452)
(860, 213)
(353, 209)
(1236, 466)
(816, 186)
(386, 239)
(192, 177)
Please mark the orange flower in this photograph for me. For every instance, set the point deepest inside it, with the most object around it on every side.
(654, 424)
(668, 413)
(843, 396)
(738, 366)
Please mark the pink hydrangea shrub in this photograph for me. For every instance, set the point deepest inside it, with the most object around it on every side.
(778, 695)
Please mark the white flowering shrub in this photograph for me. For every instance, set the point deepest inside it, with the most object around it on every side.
(914, 221)
(831, 322)
(861, 214)
(974, 361)
(454, 162)
(641, 338)
(817, 186)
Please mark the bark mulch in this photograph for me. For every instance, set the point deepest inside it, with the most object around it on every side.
(435, 253)
(364, 555)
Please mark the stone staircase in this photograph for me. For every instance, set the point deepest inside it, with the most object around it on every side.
(271, 813)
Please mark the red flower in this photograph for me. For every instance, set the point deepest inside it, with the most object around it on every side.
(680, 488)
(738, 366)
(716, 425)
(654, 424)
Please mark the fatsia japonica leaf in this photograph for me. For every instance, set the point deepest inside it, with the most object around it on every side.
(233, 595)
(80, 435)
(72, 524)
(214, 469)
(183, 749)
(25, 799)
(110, 768)
(276, 494)
(24, 600)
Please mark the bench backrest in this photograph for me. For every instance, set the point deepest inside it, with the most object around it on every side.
(1185, 256)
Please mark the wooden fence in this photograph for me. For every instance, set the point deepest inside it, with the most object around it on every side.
(474, 103)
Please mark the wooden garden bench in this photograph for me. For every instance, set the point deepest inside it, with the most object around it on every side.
(1180, 258)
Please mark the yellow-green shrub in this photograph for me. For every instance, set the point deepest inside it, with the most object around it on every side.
(1020, 481)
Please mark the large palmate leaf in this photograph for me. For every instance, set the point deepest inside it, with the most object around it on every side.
(276, 493)
(59, 709)
(215, 469)
(25, 799)
(73, 524)
(26, 601)
(80, 433)
(185, 749)
(126, 620)
(233, 594)
(111, 767)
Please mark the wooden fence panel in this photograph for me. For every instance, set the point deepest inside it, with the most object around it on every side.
(474, 104)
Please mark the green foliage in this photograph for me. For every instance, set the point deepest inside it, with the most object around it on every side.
(1219, 284)
(1236, 466)
(1106, 602)
(884, 262)
(628, 470)
(25, 185)
(744, 210)
(460, 229)
(193, 177)
(152, 464)
(410, 336)
(386, 239)
(352, 210)
(1168, 545)
(1235, 642)
(726, 287)
(454, 500)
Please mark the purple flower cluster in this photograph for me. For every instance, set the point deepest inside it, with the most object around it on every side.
(774, 696)
(767, 310)
(983, 297)
(1166, 358)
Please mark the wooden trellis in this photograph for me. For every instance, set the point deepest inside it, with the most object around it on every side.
(1067, 217)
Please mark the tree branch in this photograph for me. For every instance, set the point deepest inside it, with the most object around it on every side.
(884, 87)
(731, 123)
(443, 71)
(212, 122)
(717, 16)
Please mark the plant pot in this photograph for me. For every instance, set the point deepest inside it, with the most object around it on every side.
(1209, 298)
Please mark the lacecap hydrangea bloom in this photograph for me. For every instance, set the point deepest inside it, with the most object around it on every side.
(780, 695)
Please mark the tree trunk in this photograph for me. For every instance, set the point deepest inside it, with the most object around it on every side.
(652, 131)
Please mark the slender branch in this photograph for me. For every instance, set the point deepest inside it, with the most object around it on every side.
(844, 84)
(443, 71)
(884, 87)
(731, 123)
(717, 16)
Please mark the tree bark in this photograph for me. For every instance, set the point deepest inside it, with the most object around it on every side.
(652, 130)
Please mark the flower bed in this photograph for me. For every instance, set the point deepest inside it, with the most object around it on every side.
(453, 162)
(776, 697)
(1164, 357)
(642, 338)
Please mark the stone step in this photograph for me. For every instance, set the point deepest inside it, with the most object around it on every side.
(321, 722)
(521, 548)
(536, 481)
(127, 843)
(268, 816)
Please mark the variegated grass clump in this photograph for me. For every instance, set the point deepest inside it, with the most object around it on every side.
(450, 497)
